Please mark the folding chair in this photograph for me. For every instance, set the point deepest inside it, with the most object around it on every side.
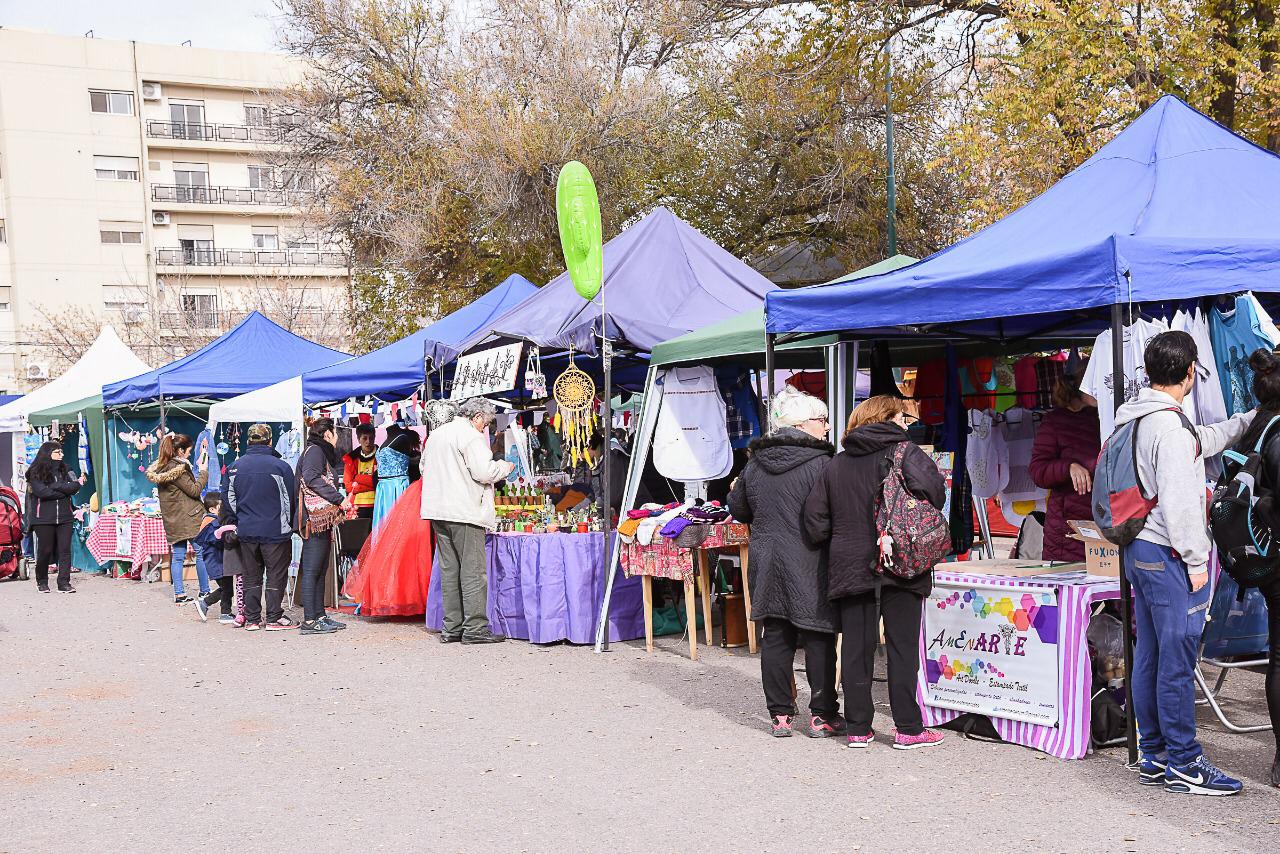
(1235, 636)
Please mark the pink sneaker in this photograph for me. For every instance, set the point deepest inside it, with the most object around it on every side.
(928, 738)
(780, 727)
(862, 740)
(820, 727)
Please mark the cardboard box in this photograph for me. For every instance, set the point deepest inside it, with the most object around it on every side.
(1008, 567)
(1101, 556)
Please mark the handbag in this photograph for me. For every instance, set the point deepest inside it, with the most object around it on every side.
(321, 514)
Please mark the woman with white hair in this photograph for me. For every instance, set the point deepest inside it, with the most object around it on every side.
(459, 472)
(788, 571)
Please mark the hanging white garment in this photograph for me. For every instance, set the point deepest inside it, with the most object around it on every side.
(1098, 375)
(1208, 404)
(1265, 325)
(986, 456)
(1020, 496)
(691, 440)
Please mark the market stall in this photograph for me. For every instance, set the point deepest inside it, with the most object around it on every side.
(1173, 210)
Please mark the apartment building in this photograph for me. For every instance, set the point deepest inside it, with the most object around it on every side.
(141, 183)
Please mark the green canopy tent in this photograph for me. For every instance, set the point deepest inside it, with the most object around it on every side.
(739, 340)
(90, 408)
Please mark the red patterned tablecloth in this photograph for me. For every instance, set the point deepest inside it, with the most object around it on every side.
(145, 539)
(662, 558)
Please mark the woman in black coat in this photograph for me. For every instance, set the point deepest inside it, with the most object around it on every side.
(841, 511)
(788, 572)
(48, 514)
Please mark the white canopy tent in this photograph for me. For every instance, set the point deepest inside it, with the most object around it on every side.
(278, 403)
(107, 360)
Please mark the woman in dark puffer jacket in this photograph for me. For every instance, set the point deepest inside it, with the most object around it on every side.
(841, 511)
(788, 572)
(50, 486)
(1062, 461)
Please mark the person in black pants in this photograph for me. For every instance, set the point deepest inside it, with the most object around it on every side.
(50, 486)
(212, 547)
(789, 571)
(319, 509)
(841, 511)
(258, 501)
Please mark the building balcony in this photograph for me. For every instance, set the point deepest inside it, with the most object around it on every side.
(250, 258)
(181, 194)
(202, 132)
(215, 320)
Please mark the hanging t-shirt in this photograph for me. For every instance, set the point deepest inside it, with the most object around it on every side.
(1024, 378)
(1006, 385)
(1098, 375)
(978, 383)
(1235, 334)
(691, 440)
(986, 456)
(289, 447)
(1206, 404)
(1020, 495)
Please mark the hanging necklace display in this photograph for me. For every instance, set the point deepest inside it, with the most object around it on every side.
(575, 395)
(535, 381)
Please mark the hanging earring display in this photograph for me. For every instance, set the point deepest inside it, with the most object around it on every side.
(535, 381)
(575, 395)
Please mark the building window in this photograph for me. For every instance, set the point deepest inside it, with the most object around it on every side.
(201, 310)
(125, 299)
(120, 232)
(6, 293)
(187, 120)
(266, 237)
(115, 168)
(302, 243)
(115, 103)
(261, 178)
(256, 115)
(297, 179)
(192, 180)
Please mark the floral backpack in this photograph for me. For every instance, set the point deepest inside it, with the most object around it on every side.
(913, 535)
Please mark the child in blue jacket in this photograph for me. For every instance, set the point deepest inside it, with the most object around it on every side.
(210, 543)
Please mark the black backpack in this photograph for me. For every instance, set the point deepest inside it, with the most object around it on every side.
(1246, 542)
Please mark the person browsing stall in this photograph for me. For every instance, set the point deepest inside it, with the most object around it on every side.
(457, 498)
(181, 508)
(1062, 461)
(1167, 565)
(788, 570)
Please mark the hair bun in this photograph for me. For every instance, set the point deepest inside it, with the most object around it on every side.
(1264, 361)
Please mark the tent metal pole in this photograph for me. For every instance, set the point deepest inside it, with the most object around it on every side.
(1126, 593)
(606, 505)
(769, 366)
(162, 424)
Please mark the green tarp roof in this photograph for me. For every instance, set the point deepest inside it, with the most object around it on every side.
(743, 334)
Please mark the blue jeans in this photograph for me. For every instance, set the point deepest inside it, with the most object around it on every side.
(1170, 621)
(175, 569)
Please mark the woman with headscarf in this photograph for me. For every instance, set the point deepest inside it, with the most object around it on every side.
(788, 571)
(50, 486)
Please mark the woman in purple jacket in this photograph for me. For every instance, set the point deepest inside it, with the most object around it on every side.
(1062, 461)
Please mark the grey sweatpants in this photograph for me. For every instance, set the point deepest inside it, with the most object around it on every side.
(464, 578)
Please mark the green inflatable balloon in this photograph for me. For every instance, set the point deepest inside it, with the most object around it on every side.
(578, 214)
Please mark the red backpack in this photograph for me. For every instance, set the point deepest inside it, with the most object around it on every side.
(913, 535)
(10, 532)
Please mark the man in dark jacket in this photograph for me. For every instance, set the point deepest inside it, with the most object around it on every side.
(259, 501)
(788, 572)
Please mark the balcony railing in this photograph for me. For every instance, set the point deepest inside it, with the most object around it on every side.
(216, 132)
(249, 258)
(184, 194)
(214, 319)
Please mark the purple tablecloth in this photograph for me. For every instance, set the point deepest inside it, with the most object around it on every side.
(545, 588)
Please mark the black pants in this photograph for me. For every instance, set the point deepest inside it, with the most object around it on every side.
(53, 545)
(224, 596)
(272, 561)
(1271, 590)
(364, 511)
(859, 621)
(317, 548)
(777, 659)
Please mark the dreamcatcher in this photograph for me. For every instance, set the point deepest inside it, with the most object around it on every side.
(575, 395)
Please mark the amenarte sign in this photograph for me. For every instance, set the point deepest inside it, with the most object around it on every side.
(993, 651)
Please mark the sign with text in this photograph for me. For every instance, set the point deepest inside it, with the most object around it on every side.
(993, 651)
(486, 372)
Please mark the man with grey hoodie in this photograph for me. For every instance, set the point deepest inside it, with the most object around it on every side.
(1167, 565)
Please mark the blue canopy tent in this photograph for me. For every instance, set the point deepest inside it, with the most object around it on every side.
(395, 371)
(256, 353)
(1176, 207)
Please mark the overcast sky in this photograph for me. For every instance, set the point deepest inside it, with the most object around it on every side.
(221, 24)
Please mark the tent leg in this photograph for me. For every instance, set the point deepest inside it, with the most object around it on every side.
(770, 359)
(606, 505)
(1126, 593)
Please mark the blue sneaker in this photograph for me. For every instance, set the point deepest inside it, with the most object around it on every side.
(1151, 771)
(1200, 778)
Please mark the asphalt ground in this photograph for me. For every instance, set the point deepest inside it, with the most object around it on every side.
(131, 726)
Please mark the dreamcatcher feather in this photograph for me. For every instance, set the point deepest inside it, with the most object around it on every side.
(575, 395)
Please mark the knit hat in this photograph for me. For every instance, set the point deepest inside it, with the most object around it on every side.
(792, 407)
(260, 434)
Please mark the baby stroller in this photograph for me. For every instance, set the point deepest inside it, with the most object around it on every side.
(10, 533)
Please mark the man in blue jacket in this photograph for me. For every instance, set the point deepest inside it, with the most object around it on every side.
(259, 491)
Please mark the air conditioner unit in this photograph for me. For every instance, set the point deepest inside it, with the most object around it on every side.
(37, 371)
(159, 217)
(151, 92)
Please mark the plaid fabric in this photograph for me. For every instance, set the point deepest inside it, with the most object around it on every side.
(664, 559)
(739, 427)
(1048, 372)
(148, 540)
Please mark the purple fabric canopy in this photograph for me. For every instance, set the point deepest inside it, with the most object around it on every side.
(545, 588)
(662, 278)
